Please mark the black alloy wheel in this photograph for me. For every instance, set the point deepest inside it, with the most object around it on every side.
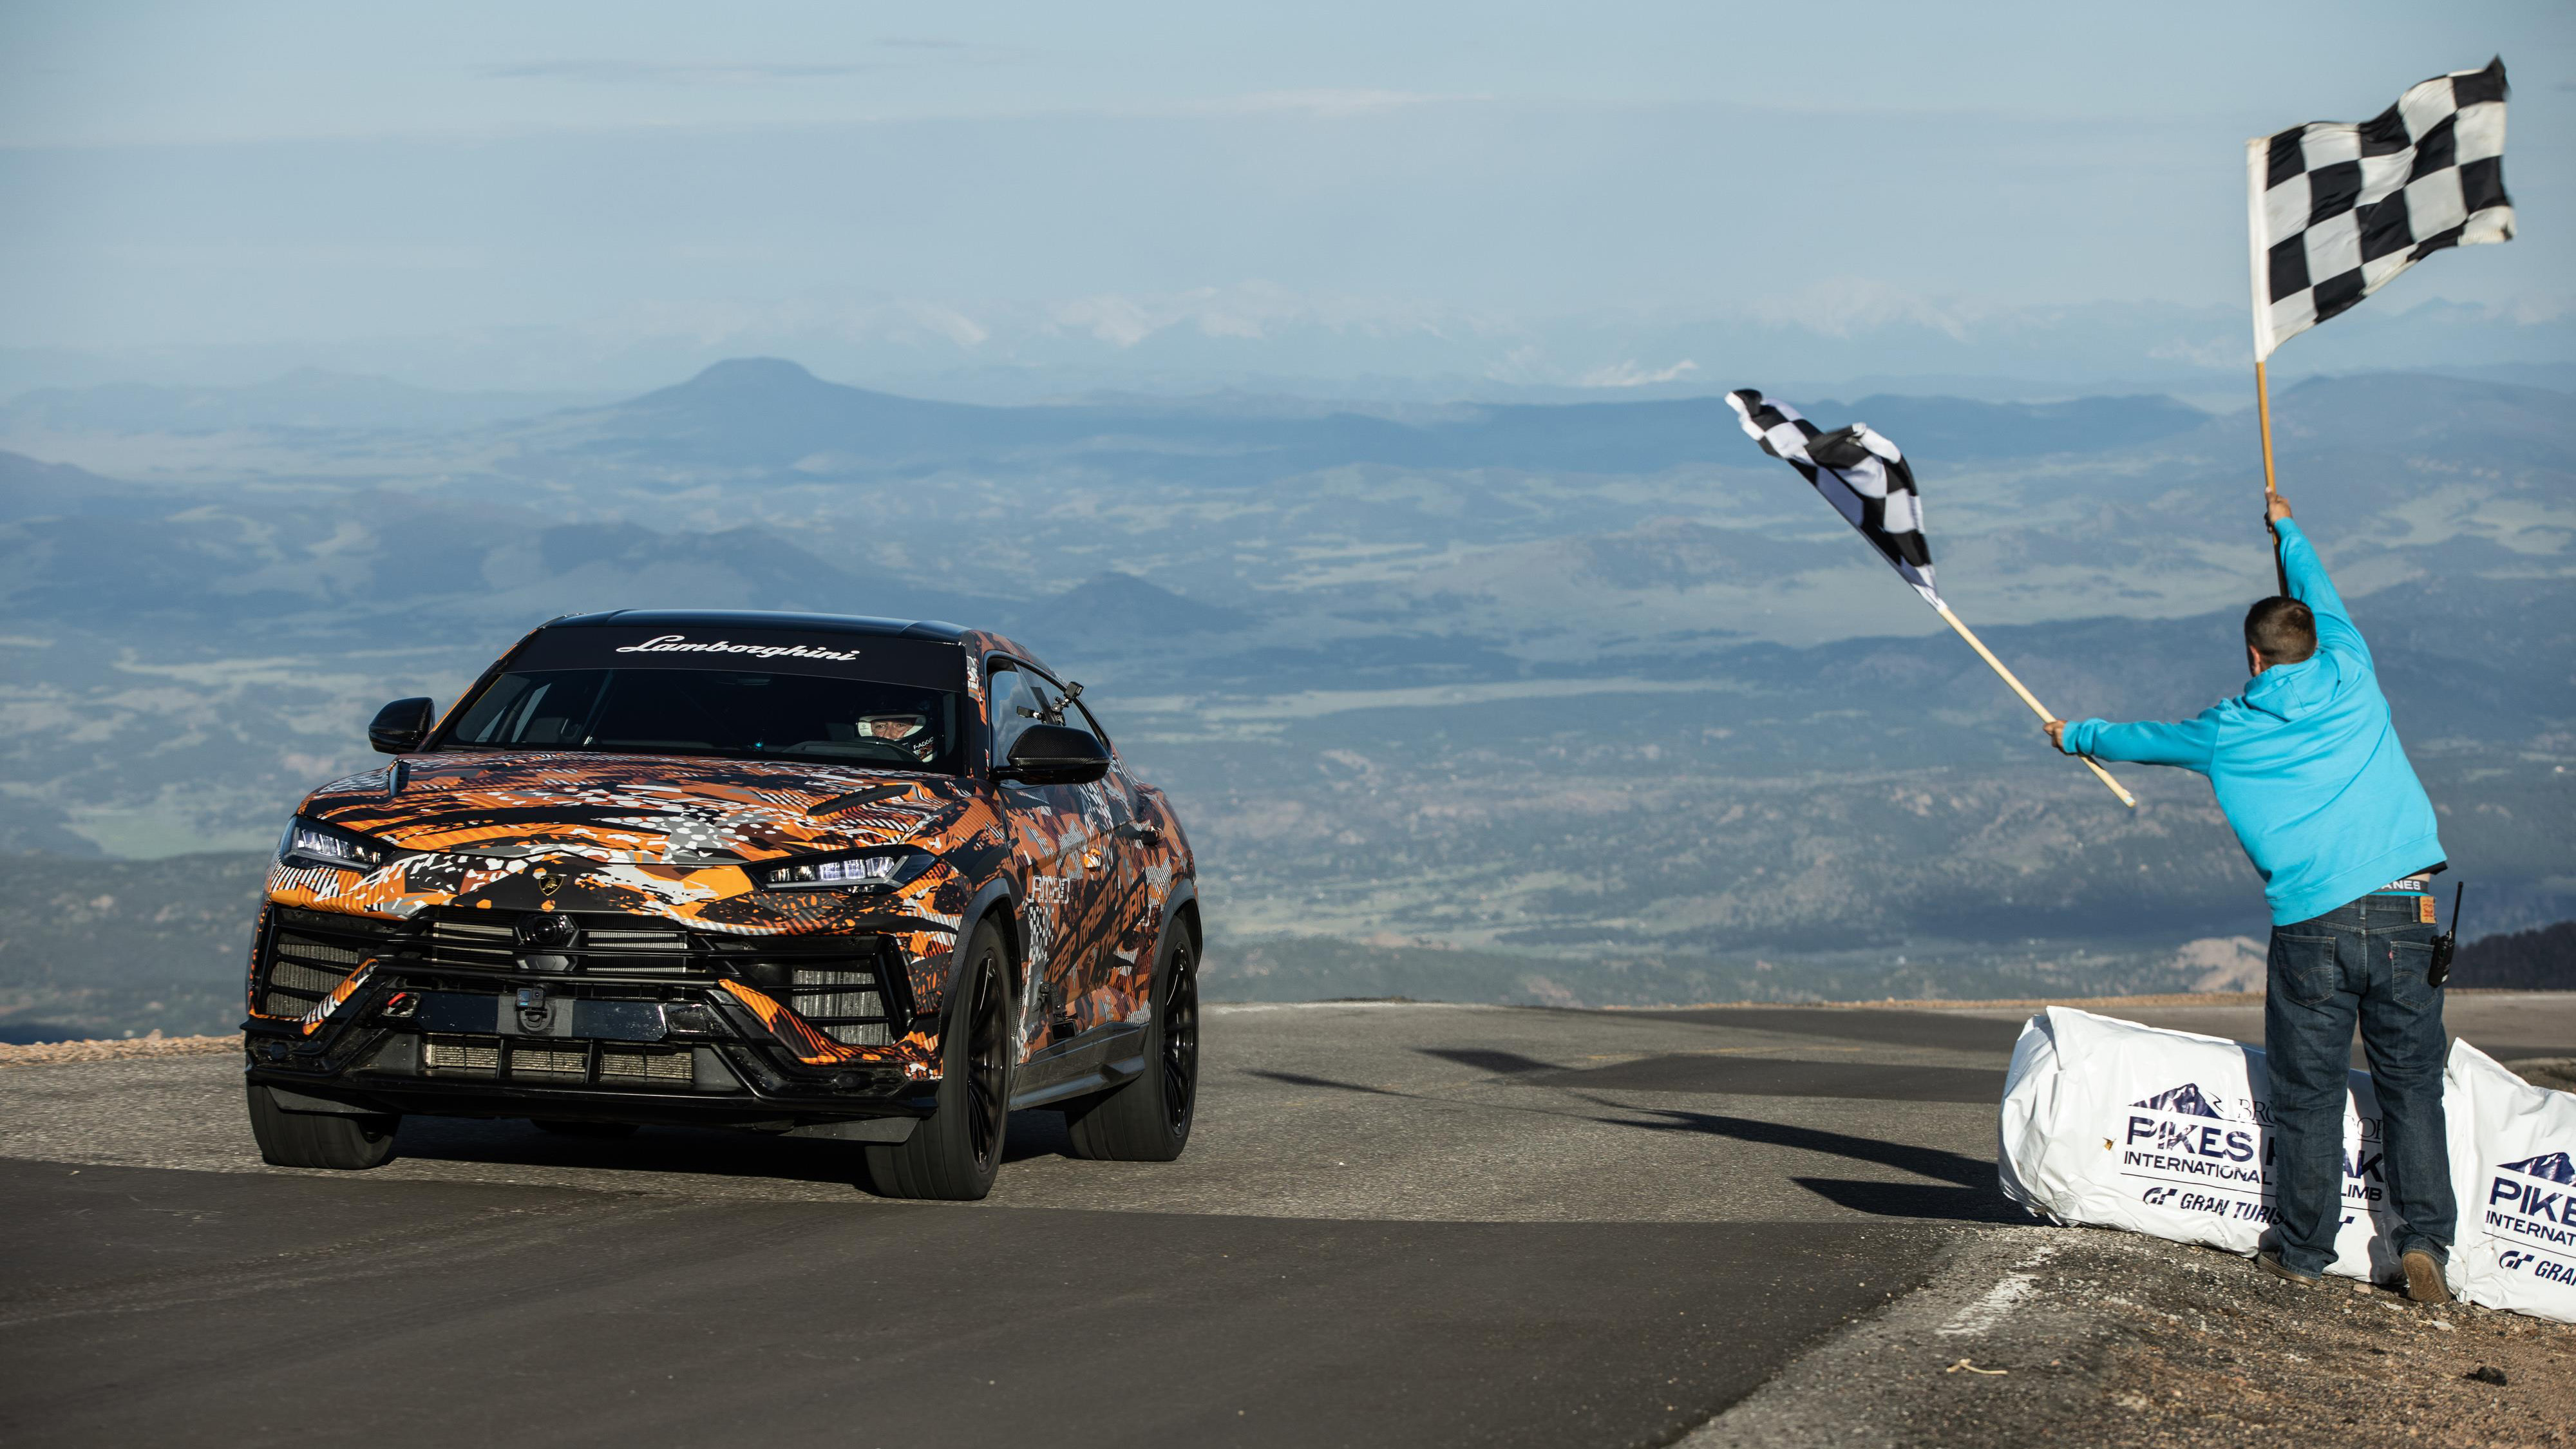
(987, 1066)
(955, 1152)
(1148, 1118)
(1179, 1016)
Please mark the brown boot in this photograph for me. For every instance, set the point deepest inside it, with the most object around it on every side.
(2424, 1277)
(2270, 1262)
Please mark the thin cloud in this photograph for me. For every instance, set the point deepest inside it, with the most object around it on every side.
(1329, 104)
(632, 72)
(1629, 374)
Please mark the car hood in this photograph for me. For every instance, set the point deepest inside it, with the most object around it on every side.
(639, 809)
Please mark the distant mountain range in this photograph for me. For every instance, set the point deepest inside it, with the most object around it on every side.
(1262, 341)
(305, 400)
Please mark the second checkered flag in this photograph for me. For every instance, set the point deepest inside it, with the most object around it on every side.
(1867, 480)
(1862, 474)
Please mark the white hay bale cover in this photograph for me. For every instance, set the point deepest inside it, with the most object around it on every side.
(2115, 1124)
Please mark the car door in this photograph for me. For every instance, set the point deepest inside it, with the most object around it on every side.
(1121, 988)
(1060, 835)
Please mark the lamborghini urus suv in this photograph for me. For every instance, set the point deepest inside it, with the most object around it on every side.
(808, 874)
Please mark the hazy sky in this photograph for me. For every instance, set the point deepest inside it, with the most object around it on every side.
(192, 175)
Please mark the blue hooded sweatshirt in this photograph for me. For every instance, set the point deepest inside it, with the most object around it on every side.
(2305, 762)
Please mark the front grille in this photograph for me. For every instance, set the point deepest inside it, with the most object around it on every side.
(489, 941)
(475, 945)
(557, 1062)
(638, 950)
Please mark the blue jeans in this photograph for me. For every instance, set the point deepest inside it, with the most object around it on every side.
(2363, 961)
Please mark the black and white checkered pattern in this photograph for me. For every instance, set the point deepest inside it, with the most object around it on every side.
(1861, 474)
(2339, 209)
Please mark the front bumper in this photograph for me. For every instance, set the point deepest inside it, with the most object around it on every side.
(443, 1017)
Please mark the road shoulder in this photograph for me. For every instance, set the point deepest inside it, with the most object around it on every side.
(2080, 1335)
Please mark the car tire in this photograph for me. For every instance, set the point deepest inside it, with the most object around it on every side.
(319, 1139)
(954, 1153)
(583, 1129)
(1148, 1119)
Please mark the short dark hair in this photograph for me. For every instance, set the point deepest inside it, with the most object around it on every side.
(2281, 630)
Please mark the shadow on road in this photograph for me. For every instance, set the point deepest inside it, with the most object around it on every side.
(1975, 1198)
(1712, 1074)
(1918, 1200)
(1300, 1079)
(1903, 1156)
(1500, 1063)
(1973, 1195)
(1948, 1030)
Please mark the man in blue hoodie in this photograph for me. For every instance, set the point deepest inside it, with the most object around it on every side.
(2307, 767)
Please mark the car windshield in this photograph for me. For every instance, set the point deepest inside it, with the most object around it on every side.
(737, 714)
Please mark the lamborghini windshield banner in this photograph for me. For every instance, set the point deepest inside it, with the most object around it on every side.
(925, 662)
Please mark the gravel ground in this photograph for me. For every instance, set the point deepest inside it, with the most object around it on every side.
(113, 1049)
(2090, 1336)
(2213, 1352)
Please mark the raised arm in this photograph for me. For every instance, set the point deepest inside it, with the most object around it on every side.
(2304, 575)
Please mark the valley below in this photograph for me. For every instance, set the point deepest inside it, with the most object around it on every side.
(1564, 705)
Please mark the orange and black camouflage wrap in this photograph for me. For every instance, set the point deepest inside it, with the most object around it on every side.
(677, 838)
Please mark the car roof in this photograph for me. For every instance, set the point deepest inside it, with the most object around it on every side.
(932, 629)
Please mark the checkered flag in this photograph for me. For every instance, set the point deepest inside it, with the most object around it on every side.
(1860, 473)
(2339, 209)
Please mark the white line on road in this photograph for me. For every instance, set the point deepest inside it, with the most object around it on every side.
(1998, 1302)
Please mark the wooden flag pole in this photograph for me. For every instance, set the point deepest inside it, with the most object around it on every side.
(2263, 414)
(2263, 410)
(2030, 699)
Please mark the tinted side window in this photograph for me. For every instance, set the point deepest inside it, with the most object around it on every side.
(1020, 699)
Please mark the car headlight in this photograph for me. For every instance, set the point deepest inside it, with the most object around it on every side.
(312, 842)
(866, 870)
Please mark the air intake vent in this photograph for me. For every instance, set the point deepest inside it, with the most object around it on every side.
(474, 1055)
(557, 1062)
(549, 1061)
(302, 966)
(847, 1005)
(647, 1069)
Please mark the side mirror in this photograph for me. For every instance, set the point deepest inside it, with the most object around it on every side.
(1046, 754)
(400, 726)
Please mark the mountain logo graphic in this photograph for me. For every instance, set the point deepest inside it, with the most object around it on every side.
(2548, 1167)
(2184, 1100)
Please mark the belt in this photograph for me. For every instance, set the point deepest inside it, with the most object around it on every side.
(2420, 888)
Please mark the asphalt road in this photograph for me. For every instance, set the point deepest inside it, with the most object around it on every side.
(1398, 1224)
